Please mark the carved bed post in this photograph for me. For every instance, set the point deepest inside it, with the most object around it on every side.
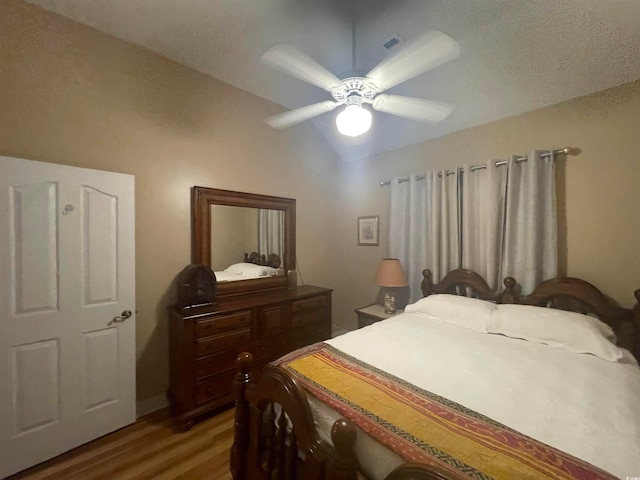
(237, 461)
(343, 464)
(427, 282)
(508, 295)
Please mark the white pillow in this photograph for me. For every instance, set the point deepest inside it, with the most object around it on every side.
(266, 271)
(602, 327)
(471, 313)
(251, 270)
(557, 328)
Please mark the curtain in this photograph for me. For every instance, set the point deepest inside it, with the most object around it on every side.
(499, 221)
(531, 226)
(483, 209)
(443, 233)
(423, 226)
(408, 228)
(271, 232)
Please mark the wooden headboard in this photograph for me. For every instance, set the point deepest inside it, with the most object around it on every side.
(467, 283)
(272, 260)
(563, 293)
(576, 295)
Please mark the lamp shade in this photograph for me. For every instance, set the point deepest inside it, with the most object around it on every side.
(390, 274)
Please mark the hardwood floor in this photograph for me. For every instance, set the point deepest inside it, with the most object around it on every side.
(148, 449)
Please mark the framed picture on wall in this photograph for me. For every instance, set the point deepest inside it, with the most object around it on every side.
(368, 230)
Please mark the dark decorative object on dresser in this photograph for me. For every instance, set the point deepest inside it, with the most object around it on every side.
(196, 287)
(261, 316)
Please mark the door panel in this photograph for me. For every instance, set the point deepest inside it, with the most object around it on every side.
(35, 372)
(101, 367)
(99, 246)
(33, 241)
(67, 263)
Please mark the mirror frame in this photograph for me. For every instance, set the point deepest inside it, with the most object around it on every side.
(201, 200)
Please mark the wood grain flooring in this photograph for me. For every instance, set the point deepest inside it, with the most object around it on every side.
(149, 449)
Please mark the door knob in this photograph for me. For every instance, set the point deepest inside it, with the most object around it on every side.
(122, 317)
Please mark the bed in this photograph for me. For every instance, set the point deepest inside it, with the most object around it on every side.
(254, 265)
(576, 408)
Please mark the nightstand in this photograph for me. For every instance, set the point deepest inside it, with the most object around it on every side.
(371, 314)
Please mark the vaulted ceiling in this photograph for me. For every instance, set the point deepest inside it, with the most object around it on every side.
(516, 55)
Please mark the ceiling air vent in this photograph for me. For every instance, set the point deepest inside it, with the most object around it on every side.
(393, 42)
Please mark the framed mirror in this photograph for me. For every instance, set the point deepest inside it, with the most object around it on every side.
(247, 239)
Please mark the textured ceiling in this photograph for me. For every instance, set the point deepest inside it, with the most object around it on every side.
(516, 55)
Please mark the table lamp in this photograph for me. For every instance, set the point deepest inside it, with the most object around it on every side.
(390, 275)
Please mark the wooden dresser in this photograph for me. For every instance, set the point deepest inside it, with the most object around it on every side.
(205, 341)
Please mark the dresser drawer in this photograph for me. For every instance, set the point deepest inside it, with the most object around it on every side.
(271, 319)
(260, 351)
(306, 318)
(308, 303)
(226, 341)
(211, 326)
(220, 362)
(282, 345)
(208, 366)
(214, 388)
(311, 333)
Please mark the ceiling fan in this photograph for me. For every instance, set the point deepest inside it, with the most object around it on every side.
(426, 52)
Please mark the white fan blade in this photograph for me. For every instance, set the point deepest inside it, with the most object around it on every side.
(426, 52)
(413, 108)
(288, 119)
(297, 64)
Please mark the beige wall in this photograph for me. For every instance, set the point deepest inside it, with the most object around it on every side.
(599, 189)
(71, 95)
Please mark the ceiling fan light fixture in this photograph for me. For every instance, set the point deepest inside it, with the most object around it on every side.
(354, 120)
(427, 51)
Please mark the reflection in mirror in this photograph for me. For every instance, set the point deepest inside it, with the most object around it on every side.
(240, 231)
(226, 225)
(234, 231)
(271, 232)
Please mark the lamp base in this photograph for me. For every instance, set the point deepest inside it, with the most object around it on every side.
(389, 301)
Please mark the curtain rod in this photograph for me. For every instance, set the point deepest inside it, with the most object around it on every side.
(473, 168)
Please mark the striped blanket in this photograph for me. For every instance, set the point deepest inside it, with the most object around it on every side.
(423, 427)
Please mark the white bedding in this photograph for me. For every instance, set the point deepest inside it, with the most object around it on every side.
(581, 404)
(224, 276)
(244, 271)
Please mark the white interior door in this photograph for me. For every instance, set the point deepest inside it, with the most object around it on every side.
(67, 253)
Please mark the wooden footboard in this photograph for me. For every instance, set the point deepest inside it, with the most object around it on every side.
(276, 439)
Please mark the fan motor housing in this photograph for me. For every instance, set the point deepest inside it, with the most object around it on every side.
(359, 86)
